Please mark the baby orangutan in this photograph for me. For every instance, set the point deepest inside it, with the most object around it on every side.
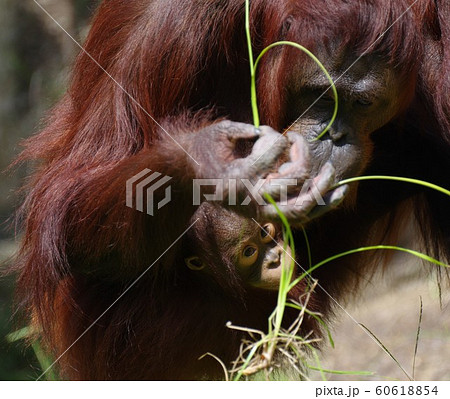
(226, 245)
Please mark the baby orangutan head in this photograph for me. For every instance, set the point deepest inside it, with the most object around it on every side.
(223, 241)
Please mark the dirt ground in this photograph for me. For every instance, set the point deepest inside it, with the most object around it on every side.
(390, 307)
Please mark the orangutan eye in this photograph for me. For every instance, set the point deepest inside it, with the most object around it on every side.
(249, 252)
(267, 232)
(249, 255)
(195, 263)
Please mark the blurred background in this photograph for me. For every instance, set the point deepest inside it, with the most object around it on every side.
(35, 59)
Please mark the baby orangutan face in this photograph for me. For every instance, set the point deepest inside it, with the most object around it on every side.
(257, 253)
(261, 257)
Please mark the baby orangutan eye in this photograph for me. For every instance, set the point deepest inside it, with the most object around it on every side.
(195, 263)
(267, 232)
(249, 255)
(249, 252)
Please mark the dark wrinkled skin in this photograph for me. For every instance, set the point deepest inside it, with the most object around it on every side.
(369, 97)
(215, 149)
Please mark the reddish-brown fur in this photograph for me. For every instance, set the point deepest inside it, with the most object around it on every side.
(82, 247)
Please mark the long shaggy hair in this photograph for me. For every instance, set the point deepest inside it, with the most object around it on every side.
(157, 61)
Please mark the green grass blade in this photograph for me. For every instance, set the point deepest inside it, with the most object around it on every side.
(18, 335)
(416, 346)
(341, 372)
(386, 350)
(324, 70)
(396, 178)
(254, 67)
(371, 248)
(254, 100)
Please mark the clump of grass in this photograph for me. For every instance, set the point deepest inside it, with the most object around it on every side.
(270, 354)
(262, 352)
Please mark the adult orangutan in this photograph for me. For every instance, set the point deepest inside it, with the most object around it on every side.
(169, 92)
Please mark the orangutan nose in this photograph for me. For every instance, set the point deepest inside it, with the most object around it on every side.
(274, 257)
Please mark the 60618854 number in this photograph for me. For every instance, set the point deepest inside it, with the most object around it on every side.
(410, 390)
